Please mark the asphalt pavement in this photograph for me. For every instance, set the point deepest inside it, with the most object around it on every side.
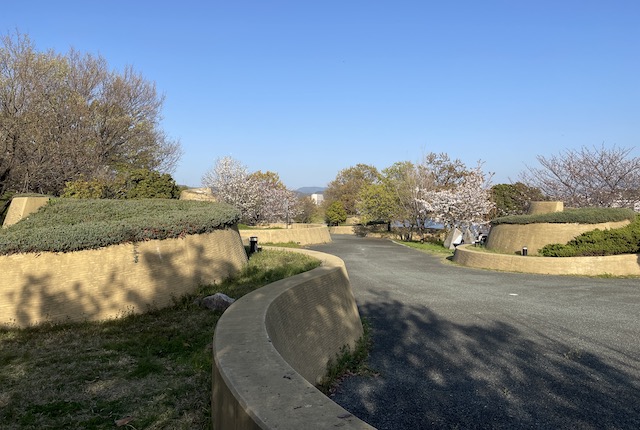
(461, 348)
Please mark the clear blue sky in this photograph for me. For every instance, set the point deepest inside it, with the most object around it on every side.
(306, 88)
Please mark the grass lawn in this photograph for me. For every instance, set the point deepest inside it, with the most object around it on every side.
(149, 371)
(432, 248)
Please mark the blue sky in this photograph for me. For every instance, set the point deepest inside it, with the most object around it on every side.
(306, 88)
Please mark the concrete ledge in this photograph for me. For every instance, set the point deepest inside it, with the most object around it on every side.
(311, 234)
(343, 229)
(272, 345)
(109, 282)
(22, 207)
(617, 265)
(545, 207)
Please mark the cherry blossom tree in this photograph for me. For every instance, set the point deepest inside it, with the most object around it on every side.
(466, 204)
(229, 182)
(260, 197)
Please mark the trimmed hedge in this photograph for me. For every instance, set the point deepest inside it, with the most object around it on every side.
(579, 216)
(66, 225)
(624, 240)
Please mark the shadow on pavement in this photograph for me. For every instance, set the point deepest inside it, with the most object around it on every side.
(437, 373)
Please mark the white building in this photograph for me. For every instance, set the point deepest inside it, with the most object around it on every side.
(317, 198)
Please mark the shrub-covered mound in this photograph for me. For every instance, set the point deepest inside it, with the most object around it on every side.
(624, 240)
(579, 216)
(66, 225)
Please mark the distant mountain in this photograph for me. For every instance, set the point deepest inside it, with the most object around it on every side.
(311, 190)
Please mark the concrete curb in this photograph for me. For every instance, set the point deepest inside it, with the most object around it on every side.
(616, 265)
(272, 345)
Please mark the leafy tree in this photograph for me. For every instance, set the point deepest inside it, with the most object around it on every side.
(404, 180)
(513, 199)
(348, 183)
(67, 117)
(588, 176)
(335, 213)
(376, 202)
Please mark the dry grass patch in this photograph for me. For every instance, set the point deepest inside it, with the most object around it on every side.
(149, 371)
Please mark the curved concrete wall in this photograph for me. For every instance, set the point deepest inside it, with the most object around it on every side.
(105, 283)
(617, 265)
(272, 345)
(310, 234)
(511, 238)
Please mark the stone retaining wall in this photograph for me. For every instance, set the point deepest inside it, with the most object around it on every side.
(105, 283)
(311, 234)
(272, 346)
(617, 265)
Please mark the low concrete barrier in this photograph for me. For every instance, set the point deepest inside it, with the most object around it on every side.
(108, 282)
(617, 265)
(343, 229)
(302, 234)
(272, 345)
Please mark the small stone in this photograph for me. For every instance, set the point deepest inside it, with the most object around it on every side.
(217, 302)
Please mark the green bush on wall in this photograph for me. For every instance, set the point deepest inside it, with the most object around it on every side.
(579, 216)
(624, 240)
(66, 225)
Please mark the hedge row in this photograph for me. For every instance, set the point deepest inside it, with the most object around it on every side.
(66, 225)
(624, 240)
(579, 216)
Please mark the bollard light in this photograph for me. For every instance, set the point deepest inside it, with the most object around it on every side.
(253, 244)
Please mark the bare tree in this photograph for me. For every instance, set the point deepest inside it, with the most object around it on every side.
(597, 176)
(63, 117)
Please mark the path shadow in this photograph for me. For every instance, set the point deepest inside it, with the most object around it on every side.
(438, 373)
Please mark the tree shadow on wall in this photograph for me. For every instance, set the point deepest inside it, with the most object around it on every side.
(437, 373)
(37, 300)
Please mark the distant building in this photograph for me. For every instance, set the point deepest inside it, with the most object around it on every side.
(317, 198)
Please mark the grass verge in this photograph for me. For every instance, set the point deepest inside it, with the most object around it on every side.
(432, 248)
(348, 363)
(147, 371)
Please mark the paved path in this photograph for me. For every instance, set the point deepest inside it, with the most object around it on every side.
(461, 348)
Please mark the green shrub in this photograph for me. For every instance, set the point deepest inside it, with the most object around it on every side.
(335, 213)
(579, 216)
(130, 184)
(624, 240)
(66, 225)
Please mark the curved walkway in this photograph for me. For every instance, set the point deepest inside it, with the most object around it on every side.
(469, 348)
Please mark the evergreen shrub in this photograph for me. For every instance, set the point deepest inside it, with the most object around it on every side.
(128, 184)
(624, 240)
(66, 225)
(579, 216)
